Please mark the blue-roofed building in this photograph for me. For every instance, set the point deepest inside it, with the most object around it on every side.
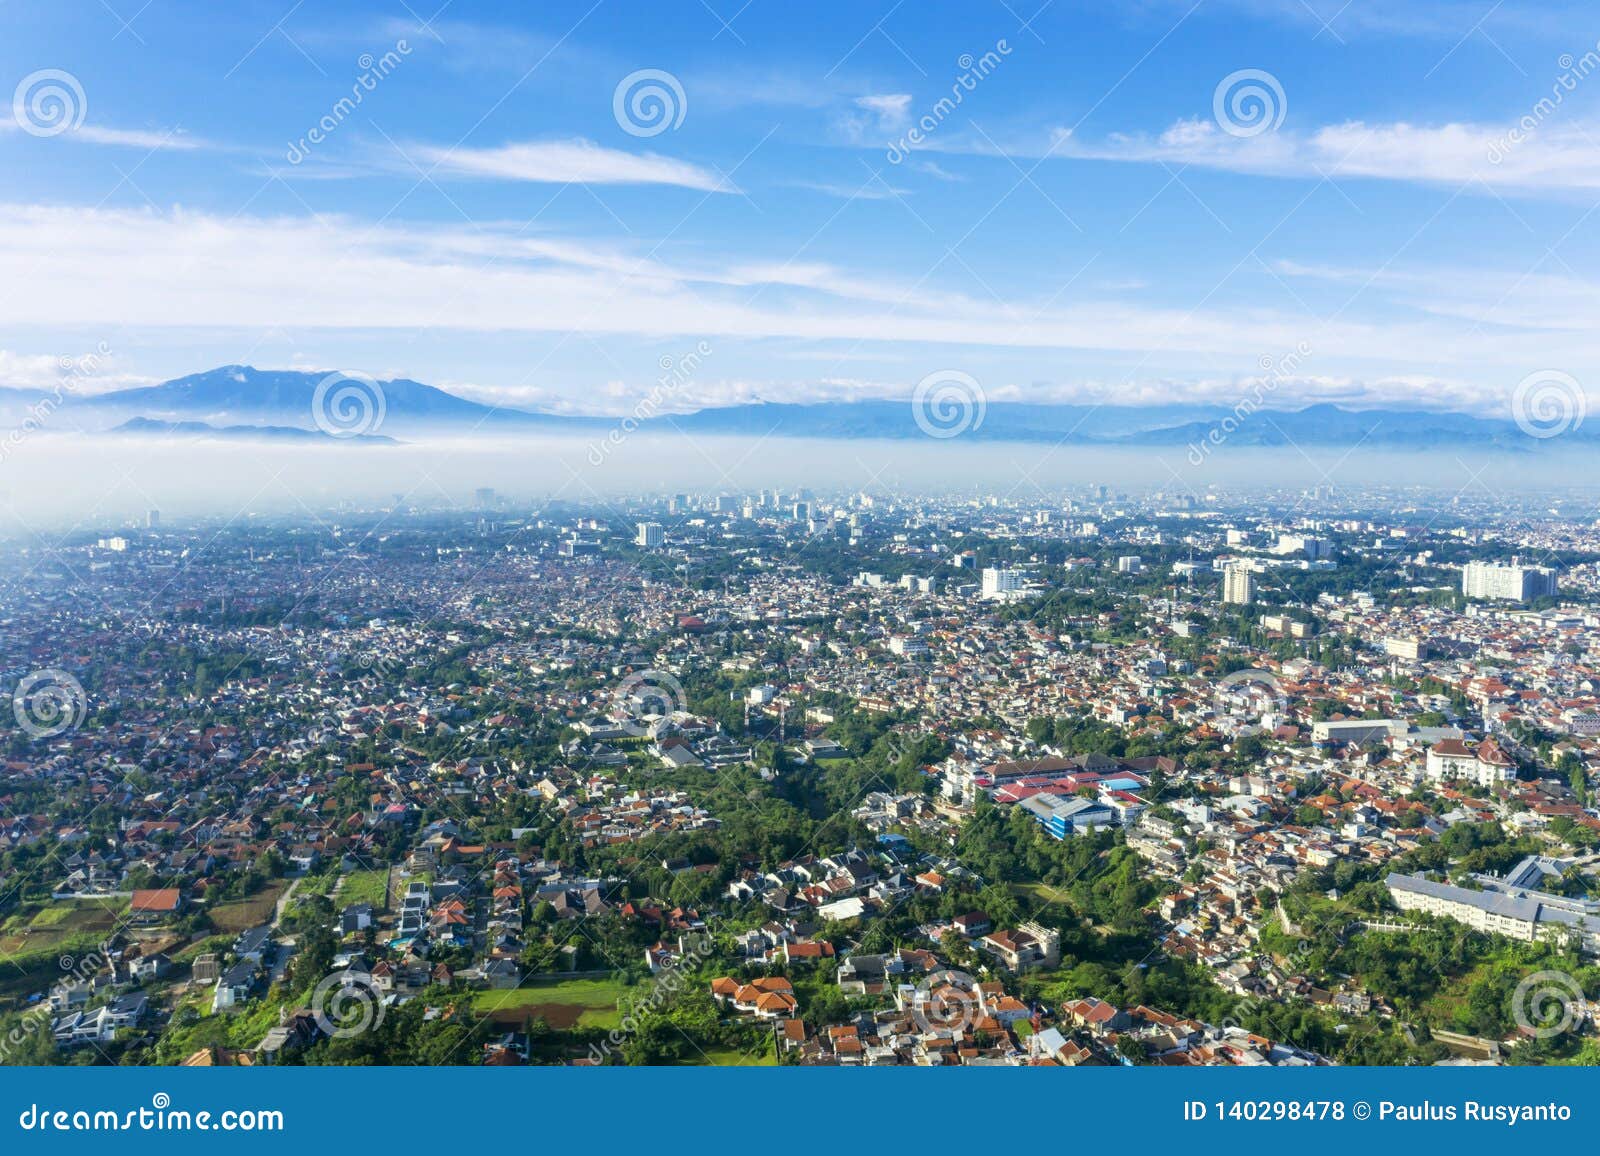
(1065, 815)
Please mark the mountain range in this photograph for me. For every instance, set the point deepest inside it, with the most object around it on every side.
(242, 401)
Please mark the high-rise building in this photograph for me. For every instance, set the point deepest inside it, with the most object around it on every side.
(484, 497)
(1513, 583)
(1238, 584)
(648, 535)
(152, 519)
(1001, 585)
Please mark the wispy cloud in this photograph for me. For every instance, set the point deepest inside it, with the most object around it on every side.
(1542, 160)
(159, 271)
(573, 161)
(876, 190)
(891, 108)
(149, 139)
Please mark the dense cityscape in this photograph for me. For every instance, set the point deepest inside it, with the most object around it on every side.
(1107, 776)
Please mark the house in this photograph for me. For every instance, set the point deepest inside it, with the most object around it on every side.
(148, 907)
(500, 974)
(355, 918)
(1031, 945)
(255, 945)
(1097, 1016)
(770, 997)
(295, 1031)
(973, 924)
(810, 951)
(235, 986)
(151, 967)
(866, 974)
(101, 1024)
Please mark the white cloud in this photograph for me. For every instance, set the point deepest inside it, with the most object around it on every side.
(80, 371)
(171, 271)
(1525, 156)
(575, 161)
(171, 139)
(891, 108)
(876, 189)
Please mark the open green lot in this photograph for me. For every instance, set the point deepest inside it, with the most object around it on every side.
(38, 929)
(364, 887)
(734, 1058)
(241, 914)
(564, 1003)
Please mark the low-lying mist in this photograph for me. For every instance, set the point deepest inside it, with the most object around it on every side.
(57, 481)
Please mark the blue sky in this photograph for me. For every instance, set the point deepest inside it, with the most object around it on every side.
(1090, 221)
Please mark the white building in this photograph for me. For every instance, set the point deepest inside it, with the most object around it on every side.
(1513, 583)
(1456, 760)
(1002, 585)
(1238, 584)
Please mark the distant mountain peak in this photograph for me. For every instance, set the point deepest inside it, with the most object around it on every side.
(230, 397)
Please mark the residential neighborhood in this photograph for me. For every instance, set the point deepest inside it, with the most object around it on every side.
(783, 782)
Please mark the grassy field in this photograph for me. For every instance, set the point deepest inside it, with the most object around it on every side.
(564, 1003)
(1043, 893)
(246, 913)
(363, 887)
(42, 929)
(734, 1058)
(30, 961)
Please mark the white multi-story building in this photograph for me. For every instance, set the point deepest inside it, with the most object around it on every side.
(1238, 584)
(1303, 545)
(648, 535)
(1453, 760)
(1002, 585)
(1513, 583)
(908, 647)
(1409, 649)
